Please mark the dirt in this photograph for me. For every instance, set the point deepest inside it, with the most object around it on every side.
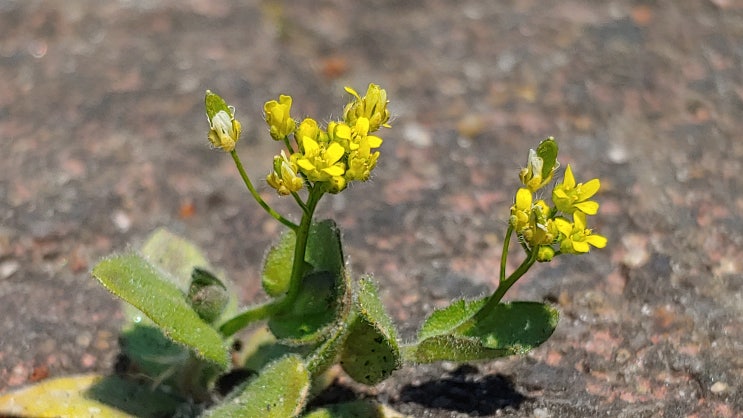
(104, 139)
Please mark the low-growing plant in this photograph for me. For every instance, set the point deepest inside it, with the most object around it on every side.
(182, 314)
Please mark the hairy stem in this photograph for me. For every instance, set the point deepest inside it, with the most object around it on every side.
(291, 225)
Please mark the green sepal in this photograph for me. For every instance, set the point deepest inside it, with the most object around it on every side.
(279, 391)
(214, 104)
(511, 328)
(133, 279)
(370, 353)
(547, 151)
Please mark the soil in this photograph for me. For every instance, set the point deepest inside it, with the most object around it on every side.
(103, 139)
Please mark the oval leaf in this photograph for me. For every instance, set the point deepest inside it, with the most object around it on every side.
(87, 395)
(512, 328)
(318, 305)
(133, 279)
(370, 353)
(444, 321)
(516, 326)
(277, 265)
(279, 391)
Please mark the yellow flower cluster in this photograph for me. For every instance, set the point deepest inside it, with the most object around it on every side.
(544, 228)
(334, 156)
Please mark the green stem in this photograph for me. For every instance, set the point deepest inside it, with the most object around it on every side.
(299, 201)
(504, 254)
(300, 248)
(291, 225)
(504, 285)
(252, 314)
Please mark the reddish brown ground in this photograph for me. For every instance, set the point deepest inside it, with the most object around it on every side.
(103, 139)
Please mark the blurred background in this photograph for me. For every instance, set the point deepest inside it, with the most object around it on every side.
(103, 139)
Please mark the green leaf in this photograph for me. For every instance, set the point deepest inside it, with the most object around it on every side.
(279, 391)
(177, 258)
(324, 248)
(354, 409)
(261, 348)
(174, 255)
(450, 348)
(277, 265)
(88, 395)
(512, 328)
(445, 320)
(133, 279)
(516, 326)
(318, 305)
(547, 151)
(370, 353)
(324, 293)
(150, 353)
(214, 103)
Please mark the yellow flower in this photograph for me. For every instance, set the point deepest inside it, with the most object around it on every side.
(308, 128)
(570, 197)
(320, 161)
(575, 237)
(521, 210)
(373, 106)
(340, 132)
(284, 176)
(224, 130)
(545, 253)
(530, 220)
(277, 115)
(540, 165)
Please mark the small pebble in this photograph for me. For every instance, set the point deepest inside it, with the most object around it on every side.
(417, 134)
(719, 387)
(8, 268)
(541, 413)
(122, 221)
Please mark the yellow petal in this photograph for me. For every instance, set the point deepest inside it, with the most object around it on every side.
(565, 227)
(334, 170)
(589, 208)
(589, 189)
(334, 153)
(569, 180)
(374, 141)
(311, 147)
(581, 247)
(597, 241)
(523, 199)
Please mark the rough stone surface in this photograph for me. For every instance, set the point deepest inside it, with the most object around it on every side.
(104, 138)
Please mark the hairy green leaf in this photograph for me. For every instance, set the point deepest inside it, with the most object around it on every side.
(279, 391)
(370, 353)
(277, 265)
(316, 308)
(133, 279)
(88, 395)
(445, 320)
(511, 328)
